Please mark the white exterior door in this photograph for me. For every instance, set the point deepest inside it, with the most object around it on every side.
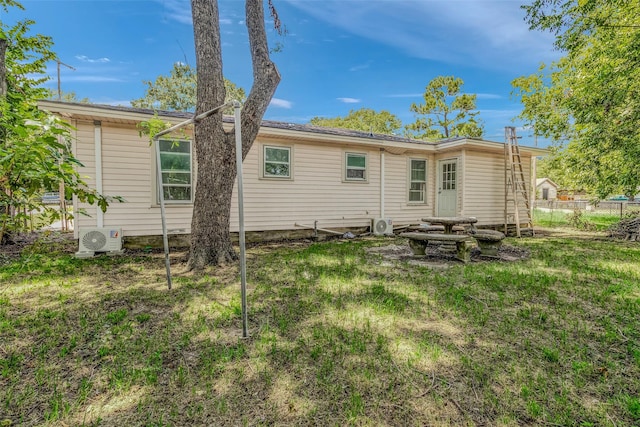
(447, 187)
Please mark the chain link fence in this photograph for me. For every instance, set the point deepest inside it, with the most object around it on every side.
(610, 207)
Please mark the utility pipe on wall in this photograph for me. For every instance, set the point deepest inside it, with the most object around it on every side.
(382, 183)
(97, 140)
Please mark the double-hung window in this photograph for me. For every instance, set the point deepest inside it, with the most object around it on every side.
(355, 167)
(277, 162)
(176, 169)
(417, 180)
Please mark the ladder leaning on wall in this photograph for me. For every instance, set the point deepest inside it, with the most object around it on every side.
(516, 195)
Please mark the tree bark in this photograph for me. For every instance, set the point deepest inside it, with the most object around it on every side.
(215, 148)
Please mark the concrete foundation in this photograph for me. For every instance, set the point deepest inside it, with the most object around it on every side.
(182, 240)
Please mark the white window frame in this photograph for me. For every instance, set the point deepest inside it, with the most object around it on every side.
(263, 161)
(191, 173)
(346, 167)
(410, 181)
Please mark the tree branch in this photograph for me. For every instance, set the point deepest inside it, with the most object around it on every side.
(265, 75)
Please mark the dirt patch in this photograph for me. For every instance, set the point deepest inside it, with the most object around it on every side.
(48, 241)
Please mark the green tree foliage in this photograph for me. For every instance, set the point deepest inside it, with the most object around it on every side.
(68, 97)
(588, 102)
(364, 119)
(177, 91)
(35, 150)
(446, 112)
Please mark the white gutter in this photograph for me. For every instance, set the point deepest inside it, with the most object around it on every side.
(97, 139)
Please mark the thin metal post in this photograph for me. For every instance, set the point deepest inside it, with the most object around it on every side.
(165, 237)
(243, 259)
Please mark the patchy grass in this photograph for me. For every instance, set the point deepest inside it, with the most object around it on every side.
(338, 337)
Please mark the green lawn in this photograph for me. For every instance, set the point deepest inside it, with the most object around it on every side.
(338, 337)
(595, 221)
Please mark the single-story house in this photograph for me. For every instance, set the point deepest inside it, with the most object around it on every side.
(295, 175)
(546, 189)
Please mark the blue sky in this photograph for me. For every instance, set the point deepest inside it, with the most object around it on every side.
(338, 55)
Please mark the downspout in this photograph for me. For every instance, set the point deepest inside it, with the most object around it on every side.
(97, 139)
(382, 183)
(74, 198)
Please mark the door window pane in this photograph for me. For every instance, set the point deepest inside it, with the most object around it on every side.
(449, 176)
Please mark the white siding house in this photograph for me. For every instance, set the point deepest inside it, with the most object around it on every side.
(546, 189)
(294, 174)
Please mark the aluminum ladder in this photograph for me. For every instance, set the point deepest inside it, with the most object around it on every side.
(516, 192)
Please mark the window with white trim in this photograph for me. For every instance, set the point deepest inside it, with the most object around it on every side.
(417, 180)
(276, 162)
(176, 169)
(355, 167)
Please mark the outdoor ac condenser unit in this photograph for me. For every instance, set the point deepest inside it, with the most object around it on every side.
(382, 226)
(92, 240)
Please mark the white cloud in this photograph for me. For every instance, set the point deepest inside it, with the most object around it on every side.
(488, 96)
(489, 33)
(349, 100)
(178, 10)
(281, 103)
(85, 58)
(360, 67)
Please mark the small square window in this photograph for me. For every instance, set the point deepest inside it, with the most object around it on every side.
(356, 167)
(277, 162)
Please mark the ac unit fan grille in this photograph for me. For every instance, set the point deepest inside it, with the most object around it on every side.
(381, 226)
(94, 240)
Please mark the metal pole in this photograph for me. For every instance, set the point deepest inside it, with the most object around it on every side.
(165, 237)
(243, 259)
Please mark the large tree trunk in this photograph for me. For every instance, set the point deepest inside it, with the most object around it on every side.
(215, 148)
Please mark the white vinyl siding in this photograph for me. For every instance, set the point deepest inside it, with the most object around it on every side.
(175, 166)
(417, 180)
(355, 167)
(484, 186)
(276, 162)
(316, 194)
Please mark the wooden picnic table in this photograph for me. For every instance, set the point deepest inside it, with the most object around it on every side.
(450, 221)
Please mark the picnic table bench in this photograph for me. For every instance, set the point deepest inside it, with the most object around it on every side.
(419, 241)
(489, 241)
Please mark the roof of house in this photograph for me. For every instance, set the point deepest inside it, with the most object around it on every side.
(542, 180)
(132, 114)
